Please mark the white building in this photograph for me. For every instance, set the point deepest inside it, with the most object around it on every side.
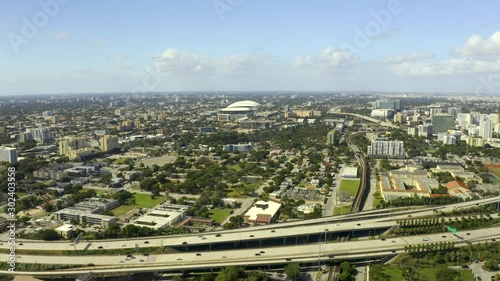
(41, 135)
(380, 147)
(486, 129)
(8, 154)
(262, 212)
(425, 130)
(350, 172)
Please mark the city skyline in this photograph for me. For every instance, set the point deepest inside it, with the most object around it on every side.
(60, 46)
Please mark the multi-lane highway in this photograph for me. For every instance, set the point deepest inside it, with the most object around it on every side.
(278, 255)
(375, 219)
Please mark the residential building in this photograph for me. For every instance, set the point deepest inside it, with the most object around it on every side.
(475, 141)
(332, 137)
(454, 111)
(108, 143)
(425, 130)
(41, 135)
(381, 147)
(486, 129)
(412, 131)
(242, 147)
(8, 154)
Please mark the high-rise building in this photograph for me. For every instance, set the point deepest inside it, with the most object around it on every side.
(442, 123)
(425, 130)
(8, 154)
(435, 111)
(26, 136)
(68, 144)
(108, 143)
(331, 137)
(475, 141)
(387, 104)
(381, 147)
(41, 135)
(486, 129)
(454, 111)
(399, 118)
(412, 131)
(495, 118)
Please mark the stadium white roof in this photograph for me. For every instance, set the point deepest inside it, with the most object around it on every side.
(245, 103)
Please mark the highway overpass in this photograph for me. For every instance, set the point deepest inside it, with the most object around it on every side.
(311, 253)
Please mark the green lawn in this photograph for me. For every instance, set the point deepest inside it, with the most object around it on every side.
(242, 191)
(429, 274)
(219, 215)
(350, 187)
(145, 201)
(21, 194)
(234, 167)
(141, 201)
(392, 273)
(341, 210)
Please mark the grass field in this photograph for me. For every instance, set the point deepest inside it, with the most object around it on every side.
(349, 186)
(341, 210)
(242, 191)
(234, 167)
(141, 201)
(495, 169)
(429, 273)
(219, 215)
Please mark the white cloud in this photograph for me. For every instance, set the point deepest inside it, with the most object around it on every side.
(328, 58)
(476, 56)
(415, 56)
(478, 47)
(63, 35)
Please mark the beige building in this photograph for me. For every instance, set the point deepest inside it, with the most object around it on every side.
(108, 143)
(75, 148)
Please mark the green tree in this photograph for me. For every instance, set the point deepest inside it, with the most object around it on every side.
(292, 271)
(491, 264)
(230, 273)
(446, 274)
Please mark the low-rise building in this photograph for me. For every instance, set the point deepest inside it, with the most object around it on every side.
(458, 189)
(262, 212)
(65, 230)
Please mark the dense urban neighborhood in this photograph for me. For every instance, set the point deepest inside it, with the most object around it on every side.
(96, 167)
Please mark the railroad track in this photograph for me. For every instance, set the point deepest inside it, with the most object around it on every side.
(334, 271)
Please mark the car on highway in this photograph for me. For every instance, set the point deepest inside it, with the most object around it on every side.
(198, 254)
(100, 247)
(262, 252)
(218, 235)
(179, 259)
(257, 254)
(146, 242)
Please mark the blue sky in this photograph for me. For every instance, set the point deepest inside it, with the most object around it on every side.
(106, 46)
